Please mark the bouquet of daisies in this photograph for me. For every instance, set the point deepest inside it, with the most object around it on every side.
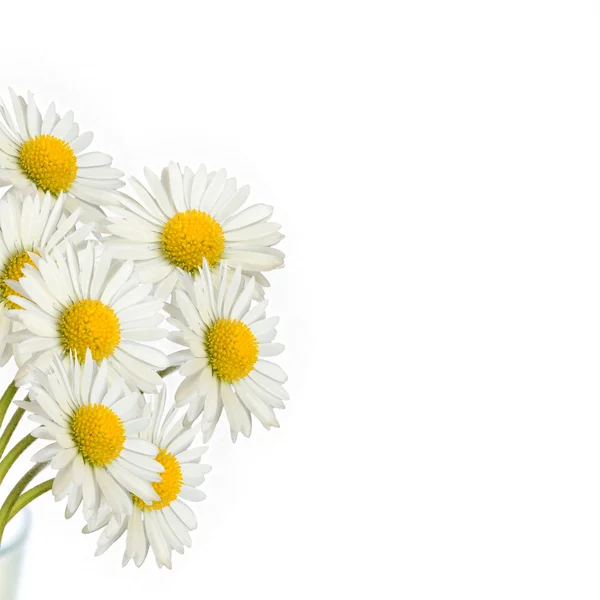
(91, 278)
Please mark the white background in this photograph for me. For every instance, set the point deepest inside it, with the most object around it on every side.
(436, 168)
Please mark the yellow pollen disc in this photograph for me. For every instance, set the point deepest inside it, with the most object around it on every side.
(90, 324)
(49, 162)
(13, 270)
(232, 349)
(168, 487)
(98, 433)
(191, 236)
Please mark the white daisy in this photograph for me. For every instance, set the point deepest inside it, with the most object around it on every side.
(81, 301)
(227, 342)
(93, 425)
(29, 224)
(47, 152)
(164, 524)
(185, 218)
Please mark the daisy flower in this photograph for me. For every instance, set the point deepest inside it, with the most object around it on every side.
(48, 153)
(164, 524)
(93, 425)
(184, 218)
(79, 302)
(224, 364)
(29, 224)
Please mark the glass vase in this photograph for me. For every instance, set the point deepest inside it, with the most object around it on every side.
(11, 554)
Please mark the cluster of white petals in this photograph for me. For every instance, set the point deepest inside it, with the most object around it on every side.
(95, 284)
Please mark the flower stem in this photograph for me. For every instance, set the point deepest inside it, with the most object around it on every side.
(10, 428)
(6, 399)
(29, 496)
(13, 454)
(15, 493)
(167, 371)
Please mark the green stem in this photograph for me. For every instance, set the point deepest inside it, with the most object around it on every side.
(15, 493)
(29, 496)
(10, 429)
(167, 371)
(13, 454)
(6, 399)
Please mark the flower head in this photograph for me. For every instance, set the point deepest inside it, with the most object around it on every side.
(87, 301)
(93, 424)
(185, 218)
(227, 342)
(30, 226)
(165, 523)
(47, 152)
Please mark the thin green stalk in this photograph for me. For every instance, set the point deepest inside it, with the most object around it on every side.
(10, 429)
(167, 371)
(13, 454)
(15, 493)
(29, 496)
(6, 399)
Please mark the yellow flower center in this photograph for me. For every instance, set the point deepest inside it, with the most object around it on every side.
(90, 324)
(190, 236)
(168, 487)
(49, 162)
(98, 433)
(13, 270)
(232, 349)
